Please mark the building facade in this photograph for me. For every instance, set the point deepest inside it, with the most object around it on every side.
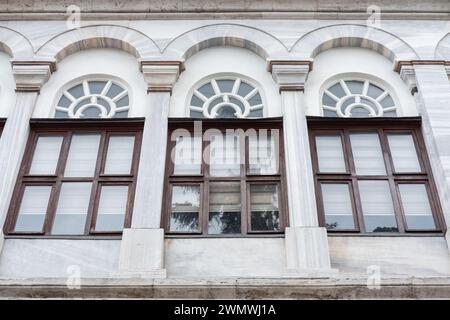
(267, 149)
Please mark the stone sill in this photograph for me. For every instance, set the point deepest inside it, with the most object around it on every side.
(341, 287)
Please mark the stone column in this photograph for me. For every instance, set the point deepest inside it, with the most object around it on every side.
(142, 247)
(429, 82)
(29, 77)
(306, 243)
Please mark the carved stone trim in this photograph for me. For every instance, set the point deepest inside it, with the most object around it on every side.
(400, 64)
(408, 76)
(30, 76)
(161, 76)
(290, 75)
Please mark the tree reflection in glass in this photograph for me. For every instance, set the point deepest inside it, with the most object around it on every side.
(224, 208)
(264, 208)
(184, 215)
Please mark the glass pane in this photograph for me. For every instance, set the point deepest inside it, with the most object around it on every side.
(96, 87)
(403, 153)
(188, 155)
(337, 90)
(224, 208)
(33, 208)
(120, 155)
(337, 206)
(377, 206)
(328, 101)
(225, 85)
(367, 154)
(265, 215)
(374, 91)
(46, 155)
(360, 112)
(114, 91)
(184, 216)
(111, 209)
(207, 90)
(245, 89)
(77, 91)
(82, 155)
(329, 153)
(72, 208)
(224, 155)
(355, 87)
(263, 155)
(416, 207)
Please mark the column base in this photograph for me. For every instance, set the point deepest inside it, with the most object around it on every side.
(142, 254)
(307, 253)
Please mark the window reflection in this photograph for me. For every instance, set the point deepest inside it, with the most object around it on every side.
(224, 208)
(264, 208)
(185, 209)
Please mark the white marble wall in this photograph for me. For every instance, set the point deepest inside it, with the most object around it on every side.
(395, 256)
(181, 39)
(45, 258)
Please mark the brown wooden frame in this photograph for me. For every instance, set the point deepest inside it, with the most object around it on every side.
(66, 128)
(245, 178)
(383, 127)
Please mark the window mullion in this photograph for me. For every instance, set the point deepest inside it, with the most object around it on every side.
(95, 188)
(56, 189)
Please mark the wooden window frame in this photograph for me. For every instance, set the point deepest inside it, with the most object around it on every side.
(66, 128)
(383, 127)
(245, 178)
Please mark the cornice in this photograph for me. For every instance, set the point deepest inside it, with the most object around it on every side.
(400, 64)
(232, 15)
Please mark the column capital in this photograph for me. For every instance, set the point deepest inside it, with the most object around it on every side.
(406, 69)
(408, 75)
(30, 76)
(161, 76)
(290, 75)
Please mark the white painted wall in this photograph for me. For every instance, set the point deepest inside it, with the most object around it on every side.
(339, 63)
(112, 63)
(222, 61)
(7, 86)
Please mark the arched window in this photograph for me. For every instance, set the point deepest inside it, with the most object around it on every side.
(357, 99)
(99, 98)
(226, 97)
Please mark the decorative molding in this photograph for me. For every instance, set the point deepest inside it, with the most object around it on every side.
(408, 75)
(290, 75)
(161, 75)
(400, 64)
(30, 76)
(353, 35)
